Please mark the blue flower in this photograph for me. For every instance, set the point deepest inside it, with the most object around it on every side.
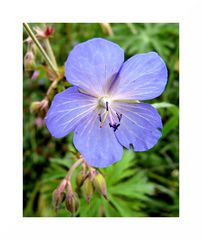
(103, 107)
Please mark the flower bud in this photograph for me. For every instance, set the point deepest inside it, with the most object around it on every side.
(29, 61)
(57, 198)
(35, 106)
(39, 122)
(100, 184)
(88, 189)
(72, 202)
(44, 105)
(79, 179)
(46, 32)
(35, 75)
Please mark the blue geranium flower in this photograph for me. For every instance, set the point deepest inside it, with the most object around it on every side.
(103, 107)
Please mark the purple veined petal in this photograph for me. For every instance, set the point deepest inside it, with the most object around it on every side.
(140, 126)
(99, 146)
(93, 64)
(67, 109)
(142, 77)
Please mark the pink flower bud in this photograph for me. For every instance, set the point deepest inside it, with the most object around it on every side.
(35, 75)
(29, 61)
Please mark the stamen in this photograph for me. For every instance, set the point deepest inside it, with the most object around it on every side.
(119, 116)
(107, 106)
(114, 126)
(104, 119)
(114, 117)
(99, 115)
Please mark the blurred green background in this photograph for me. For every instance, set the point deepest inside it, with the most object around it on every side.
(141, 184)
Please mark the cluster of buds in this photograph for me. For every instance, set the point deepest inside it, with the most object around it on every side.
(29, 58)
(64, 193)
(30, 55)
(39, 107)
(91, 182)
(88, 180)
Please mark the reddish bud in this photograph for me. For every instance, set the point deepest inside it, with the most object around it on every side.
(47, 32)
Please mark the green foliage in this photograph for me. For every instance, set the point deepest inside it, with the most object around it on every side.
(142, 183)
(128, 190)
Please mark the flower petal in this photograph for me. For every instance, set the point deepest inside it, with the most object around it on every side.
(92, 65)
(68, 108)
(142, 77)
(140, 126)
(99, 146)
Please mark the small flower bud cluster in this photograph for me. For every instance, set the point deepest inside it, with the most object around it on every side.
(30, 55)
(91, 182)
(64, 193)
(39, 107)
(88, 180)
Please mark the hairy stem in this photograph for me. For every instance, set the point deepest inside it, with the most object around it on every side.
(50, 52)
(73, 167)
(35, 40)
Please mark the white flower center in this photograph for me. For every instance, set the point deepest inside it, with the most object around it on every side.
(104, 102)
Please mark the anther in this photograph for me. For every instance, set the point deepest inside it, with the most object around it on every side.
(107, 106)
(114, 126)
(99, 115)
(119, 116)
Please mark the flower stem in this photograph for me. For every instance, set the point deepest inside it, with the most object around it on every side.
(35, 40)
(50, 52)
(73, 167)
